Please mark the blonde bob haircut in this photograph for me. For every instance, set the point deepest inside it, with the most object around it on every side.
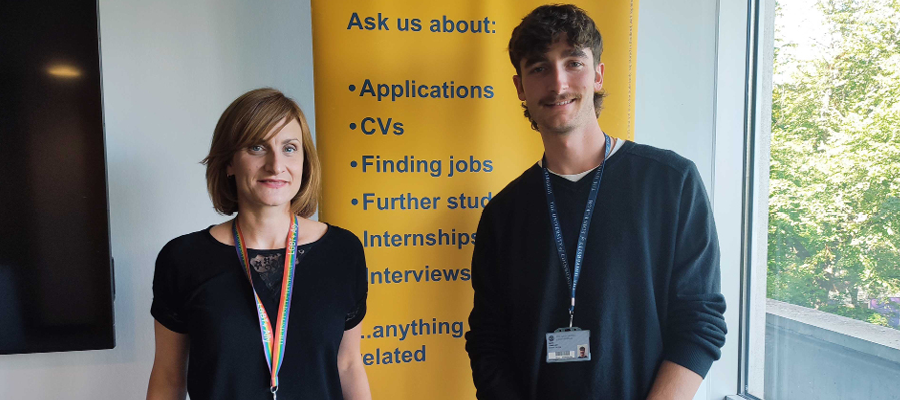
(246, 122)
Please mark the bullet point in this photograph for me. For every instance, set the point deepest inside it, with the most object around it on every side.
(354, 202)
(352, 88)
(353, 164)
(352, 126)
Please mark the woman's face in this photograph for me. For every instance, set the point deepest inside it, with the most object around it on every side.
(269, 174)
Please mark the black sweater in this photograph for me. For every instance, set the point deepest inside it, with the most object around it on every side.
(648, 291)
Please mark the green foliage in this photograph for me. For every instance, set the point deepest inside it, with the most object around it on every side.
(878, 319)
(834, 195)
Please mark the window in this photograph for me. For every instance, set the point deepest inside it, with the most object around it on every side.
(826, 162)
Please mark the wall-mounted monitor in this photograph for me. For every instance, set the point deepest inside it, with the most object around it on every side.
(56, 278)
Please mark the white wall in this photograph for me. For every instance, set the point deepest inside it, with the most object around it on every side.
(690, 89)
(169, 70)
(171, 67)
(675, 92)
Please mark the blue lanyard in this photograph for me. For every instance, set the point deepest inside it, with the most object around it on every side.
(585, 225)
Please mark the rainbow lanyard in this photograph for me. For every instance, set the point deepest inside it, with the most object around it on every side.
(274, 349)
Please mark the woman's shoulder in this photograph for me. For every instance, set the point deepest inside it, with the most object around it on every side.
(190, 259)
(190, 243)
(341, 236)
(341, 243)
(341, 250)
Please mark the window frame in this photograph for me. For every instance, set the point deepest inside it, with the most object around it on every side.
(739, 57)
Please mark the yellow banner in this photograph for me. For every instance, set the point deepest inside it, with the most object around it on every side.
(419, 126)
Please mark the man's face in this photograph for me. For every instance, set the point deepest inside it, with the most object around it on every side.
(558, 87)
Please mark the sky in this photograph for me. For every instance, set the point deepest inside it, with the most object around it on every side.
(802, 24)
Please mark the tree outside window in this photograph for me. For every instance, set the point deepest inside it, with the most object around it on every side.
(834, 190)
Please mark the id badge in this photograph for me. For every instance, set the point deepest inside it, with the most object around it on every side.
(568, 345)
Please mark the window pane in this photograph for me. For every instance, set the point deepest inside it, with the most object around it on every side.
(833, 240)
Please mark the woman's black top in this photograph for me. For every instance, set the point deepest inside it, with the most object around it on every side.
(200, 289)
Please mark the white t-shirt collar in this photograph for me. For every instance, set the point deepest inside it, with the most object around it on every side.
(578, 176)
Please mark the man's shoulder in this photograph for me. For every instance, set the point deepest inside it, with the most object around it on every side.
(647, 156)
(524, 183)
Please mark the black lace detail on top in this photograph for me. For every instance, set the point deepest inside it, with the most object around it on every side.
(267, 268)
(270, 268)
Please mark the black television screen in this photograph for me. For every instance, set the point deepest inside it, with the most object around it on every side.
(56, 283)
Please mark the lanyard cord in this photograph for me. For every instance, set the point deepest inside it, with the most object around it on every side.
(572, 279)
(273, 349)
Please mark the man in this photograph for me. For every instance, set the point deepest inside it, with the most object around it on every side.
(630, 227)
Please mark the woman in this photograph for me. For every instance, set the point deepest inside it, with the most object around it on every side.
(268, 273)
